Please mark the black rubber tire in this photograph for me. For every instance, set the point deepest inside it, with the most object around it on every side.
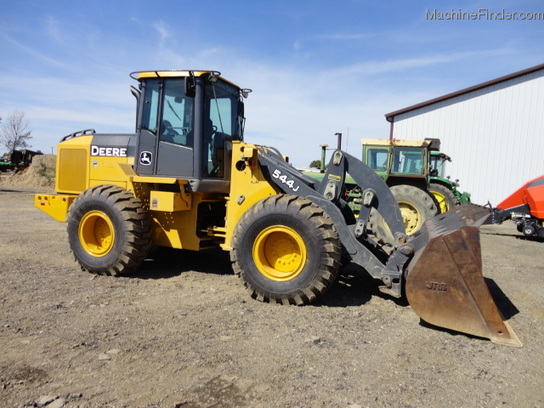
(307, 223)
(406, 195)
(124, 222)
(529, 230)
(443, 196)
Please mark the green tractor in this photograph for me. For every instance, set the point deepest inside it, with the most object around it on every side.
(414, 170)
(404, 166)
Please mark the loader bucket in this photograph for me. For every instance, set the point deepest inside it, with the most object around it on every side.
(444, 281)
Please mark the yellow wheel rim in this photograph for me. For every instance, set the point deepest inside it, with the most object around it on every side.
(96, 233)
(279, 253)
(442, 203)
(410, 216)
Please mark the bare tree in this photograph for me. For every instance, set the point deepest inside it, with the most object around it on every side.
(14, 133)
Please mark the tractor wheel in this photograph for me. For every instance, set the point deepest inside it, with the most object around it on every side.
(108, 230)
(286, 250)
(444, 197)
(416, 207)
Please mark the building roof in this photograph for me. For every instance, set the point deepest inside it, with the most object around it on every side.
(390, 116)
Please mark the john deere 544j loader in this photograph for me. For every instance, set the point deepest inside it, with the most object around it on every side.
(186, 179)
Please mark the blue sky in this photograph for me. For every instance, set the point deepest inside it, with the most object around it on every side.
(316, 67)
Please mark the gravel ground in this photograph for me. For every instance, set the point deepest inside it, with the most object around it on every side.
(183, 332)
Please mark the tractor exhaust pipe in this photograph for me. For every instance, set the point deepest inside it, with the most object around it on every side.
(338, 141)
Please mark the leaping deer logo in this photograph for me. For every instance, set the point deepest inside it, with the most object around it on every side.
(145, 158)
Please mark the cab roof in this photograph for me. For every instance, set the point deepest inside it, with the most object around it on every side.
(174, 73)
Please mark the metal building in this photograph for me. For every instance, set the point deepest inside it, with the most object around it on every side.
(493, 131)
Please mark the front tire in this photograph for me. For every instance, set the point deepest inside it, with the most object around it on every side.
(108, 230)
(286, 250)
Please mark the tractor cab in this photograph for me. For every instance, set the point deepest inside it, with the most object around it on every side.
(437, 164)
(398, 160)
(185, 123)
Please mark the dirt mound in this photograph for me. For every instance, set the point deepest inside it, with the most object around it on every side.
(40, 173)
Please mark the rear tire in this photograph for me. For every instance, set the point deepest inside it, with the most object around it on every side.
(416, 207)
(444, 197)
(286, 250)
(108, 230)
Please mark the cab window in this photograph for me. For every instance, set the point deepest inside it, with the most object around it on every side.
(376, 158)
(167, 112)
(151, 105)
(177, 114)
(222, 122)
(408, 160)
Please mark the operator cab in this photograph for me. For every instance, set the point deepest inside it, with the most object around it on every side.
(185, 123)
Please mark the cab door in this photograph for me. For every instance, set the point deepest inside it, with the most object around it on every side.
(176, 131)
(166, 145)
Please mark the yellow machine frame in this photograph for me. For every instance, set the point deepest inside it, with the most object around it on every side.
(174, 215)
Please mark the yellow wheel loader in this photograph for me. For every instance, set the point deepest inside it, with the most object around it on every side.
(186, 179)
